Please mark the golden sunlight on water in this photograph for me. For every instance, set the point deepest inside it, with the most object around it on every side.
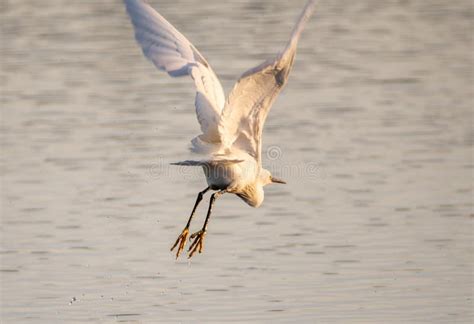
(373, 134)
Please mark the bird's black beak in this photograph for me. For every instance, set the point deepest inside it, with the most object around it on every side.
(276, 180)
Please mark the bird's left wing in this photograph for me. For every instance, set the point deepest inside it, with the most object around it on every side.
(170, 51)
(219, 161)
(250, 100)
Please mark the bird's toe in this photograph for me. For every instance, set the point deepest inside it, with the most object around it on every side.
(181, 241)
(198, 243)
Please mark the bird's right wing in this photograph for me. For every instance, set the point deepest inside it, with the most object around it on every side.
(170, 51)
(250, 100)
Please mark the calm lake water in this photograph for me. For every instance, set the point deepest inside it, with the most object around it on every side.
(373, 134)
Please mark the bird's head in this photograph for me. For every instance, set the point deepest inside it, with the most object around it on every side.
(267, 178)
(254, 194)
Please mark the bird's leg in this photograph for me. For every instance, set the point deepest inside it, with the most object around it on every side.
(198, 243)
(184, 234)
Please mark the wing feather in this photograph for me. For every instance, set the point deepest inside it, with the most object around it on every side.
(249, 102)
(170, 51)
(220, 161)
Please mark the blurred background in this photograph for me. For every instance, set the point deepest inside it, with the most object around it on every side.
(373, 134)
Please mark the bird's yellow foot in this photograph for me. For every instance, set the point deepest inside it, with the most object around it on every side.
(198, 243)
(181, 241)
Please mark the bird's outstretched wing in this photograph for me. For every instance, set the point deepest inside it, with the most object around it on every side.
(170, 51)
(219, 161)
(250, 100)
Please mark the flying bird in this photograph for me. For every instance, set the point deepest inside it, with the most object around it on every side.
(231, 138)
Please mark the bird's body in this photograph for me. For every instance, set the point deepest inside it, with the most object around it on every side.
(231, 128)
(233, 177)
(241, 178)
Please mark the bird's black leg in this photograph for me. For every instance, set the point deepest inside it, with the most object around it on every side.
(198, 243)
(184, 234)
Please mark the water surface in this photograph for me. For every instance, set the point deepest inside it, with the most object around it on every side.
(373, 133)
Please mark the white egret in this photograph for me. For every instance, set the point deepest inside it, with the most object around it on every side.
(231, 128)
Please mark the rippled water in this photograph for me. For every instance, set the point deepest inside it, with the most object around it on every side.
(373, 133)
